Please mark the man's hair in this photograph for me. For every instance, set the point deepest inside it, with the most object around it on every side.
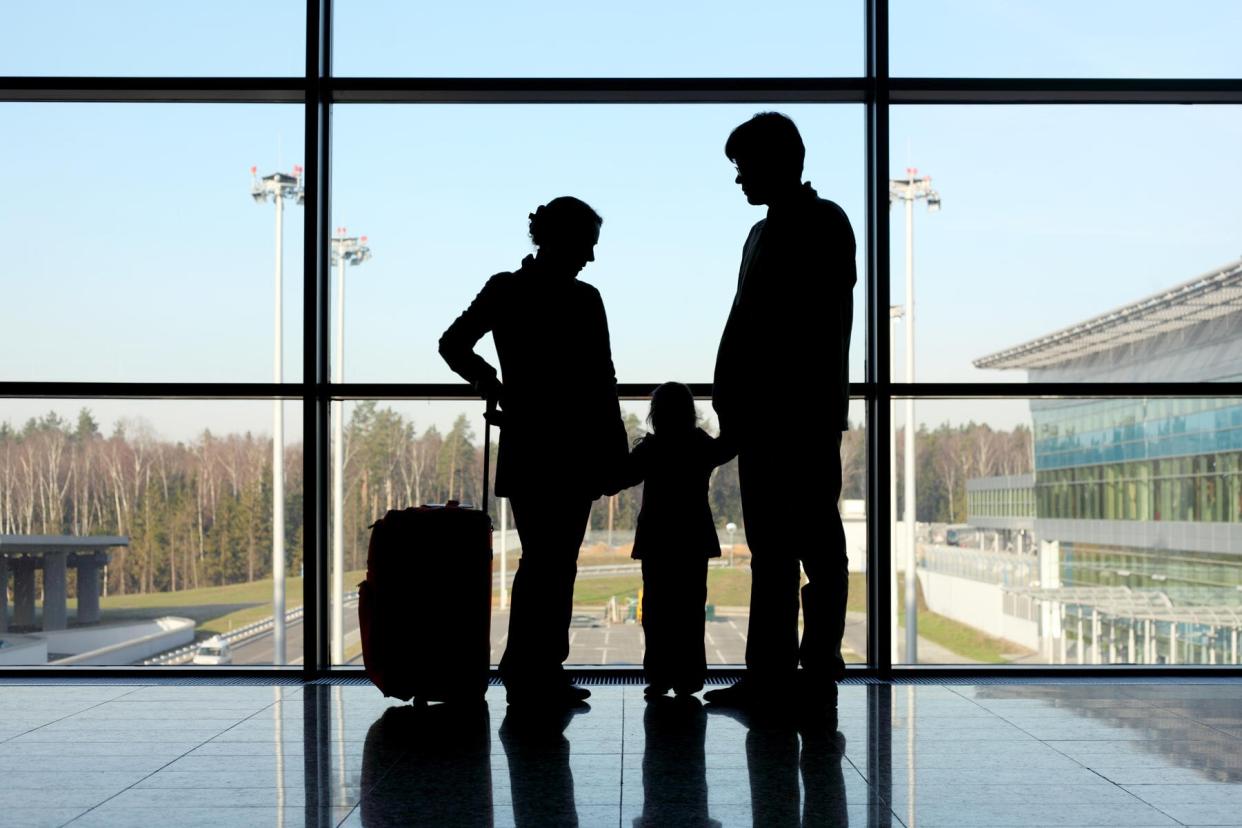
(563, 218)
(770, 138)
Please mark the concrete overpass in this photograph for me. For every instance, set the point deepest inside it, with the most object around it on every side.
(23, 555)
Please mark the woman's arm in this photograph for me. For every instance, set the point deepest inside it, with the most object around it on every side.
(616, 441)
(457, 343)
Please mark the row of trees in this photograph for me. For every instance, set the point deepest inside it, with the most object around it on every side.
(199, 513)
(196, 514)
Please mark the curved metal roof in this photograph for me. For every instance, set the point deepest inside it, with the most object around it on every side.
(1212, 295)
(1139, 604)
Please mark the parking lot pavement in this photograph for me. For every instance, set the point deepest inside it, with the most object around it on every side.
(593, 641)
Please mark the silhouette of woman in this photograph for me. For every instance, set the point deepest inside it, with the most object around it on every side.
(562, 439)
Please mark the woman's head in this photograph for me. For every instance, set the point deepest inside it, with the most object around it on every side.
(672, 409)
(566, 231)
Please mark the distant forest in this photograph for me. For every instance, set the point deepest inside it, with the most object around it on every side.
(199, 513)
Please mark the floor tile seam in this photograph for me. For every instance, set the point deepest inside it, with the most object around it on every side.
(1071, 758)
(67, 716)
(621, 787)
(1133, 795)
(166, 764)
(349, 813)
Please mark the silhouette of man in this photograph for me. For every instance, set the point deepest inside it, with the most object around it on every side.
(562, 439)
(786, 343)
(541, 781)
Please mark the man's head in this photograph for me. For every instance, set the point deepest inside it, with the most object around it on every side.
(768, 153)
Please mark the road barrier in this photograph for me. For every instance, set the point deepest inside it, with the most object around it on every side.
(182, 655)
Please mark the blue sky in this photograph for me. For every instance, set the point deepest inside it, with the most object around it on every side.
(134, 252)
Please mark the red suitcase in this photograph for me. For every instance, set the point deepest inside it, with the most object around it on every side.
(424, 610)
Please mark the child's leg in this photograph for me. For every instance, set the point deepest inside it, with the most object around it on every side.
(656, 662)
(691, 656)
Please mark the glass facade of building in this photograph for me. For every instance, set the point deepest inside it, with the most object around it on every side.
(1151, 460)
(1009, 502)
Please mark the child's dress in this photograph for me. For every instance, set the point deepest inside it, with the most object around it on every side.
(675, 537)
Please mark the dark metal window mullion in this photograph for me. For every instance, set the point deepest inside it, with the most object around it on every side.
(315, 269)
(879, 407)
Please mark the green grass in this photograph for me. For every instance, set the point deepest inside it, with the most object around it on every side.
(960, 638)
(596, 591)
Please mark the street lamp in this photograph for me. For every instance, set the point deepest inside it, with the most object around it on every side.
(351, 250)
(731, 528)
(278, 187)
(910, 189)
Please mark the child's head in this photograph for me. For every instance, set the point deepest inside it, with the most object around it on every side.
(672, 409)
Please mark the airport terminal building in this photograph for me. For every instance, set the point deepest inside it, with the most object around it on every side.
(1138, 500)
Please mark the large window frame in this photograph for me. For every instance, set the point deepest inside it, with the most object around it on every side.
(317, 90)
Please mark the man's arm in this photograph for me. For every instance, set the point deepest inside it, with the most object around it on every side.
(728, 375)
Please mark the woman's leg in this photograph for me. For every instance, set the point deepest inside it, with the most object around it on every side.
(543, 589)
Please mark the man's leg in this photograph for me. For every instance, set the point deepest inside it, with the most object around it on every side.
(769, 513)
(828, 580)
(543, 589)
(772, 637)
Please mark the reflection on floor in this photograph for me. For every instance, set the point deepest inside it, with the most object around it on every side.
(123, 753)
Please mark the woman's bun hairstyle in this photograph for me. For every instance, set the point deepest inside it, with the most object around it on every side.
(563, 218)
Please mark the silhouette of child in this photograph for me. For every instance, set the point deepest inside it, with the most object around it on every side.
(675, 537)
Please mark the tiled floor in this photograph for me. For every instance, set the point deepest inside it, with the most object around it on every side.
(1047, 754)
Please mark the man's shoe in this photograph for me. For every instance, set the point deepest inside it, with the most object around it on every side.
(740, 694)
(563, 696)
(655, 691)
(815, 691)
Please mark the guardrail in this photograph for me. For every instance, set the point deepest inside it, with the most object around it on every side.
(183, 654)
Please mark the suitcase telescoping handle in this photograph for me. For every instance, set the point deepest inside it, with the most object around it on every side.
(487, 450)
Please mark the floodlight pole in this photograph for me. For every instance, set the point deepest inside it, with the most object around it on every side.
(350, 250)
(278, 187)
(910, 189)
(895, 312)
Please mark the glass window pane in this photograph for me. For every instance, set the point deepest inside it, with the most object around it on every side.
(134, 248)
(1060, 38)
(152, 37)
(141, 532)
(1084, 243)
(1045, 586)
(644, 38)
(399, 453)
(444, 213)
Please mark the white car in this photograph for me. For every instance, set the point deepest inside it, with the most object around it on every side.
(213, 651)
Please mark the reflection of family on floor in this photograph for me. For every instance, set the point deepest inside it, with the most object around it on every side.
(563, 443)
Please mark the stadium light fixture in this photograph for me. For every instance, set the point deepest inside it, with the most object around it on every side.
(909, 190)
(278, 188)
(351, 250)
